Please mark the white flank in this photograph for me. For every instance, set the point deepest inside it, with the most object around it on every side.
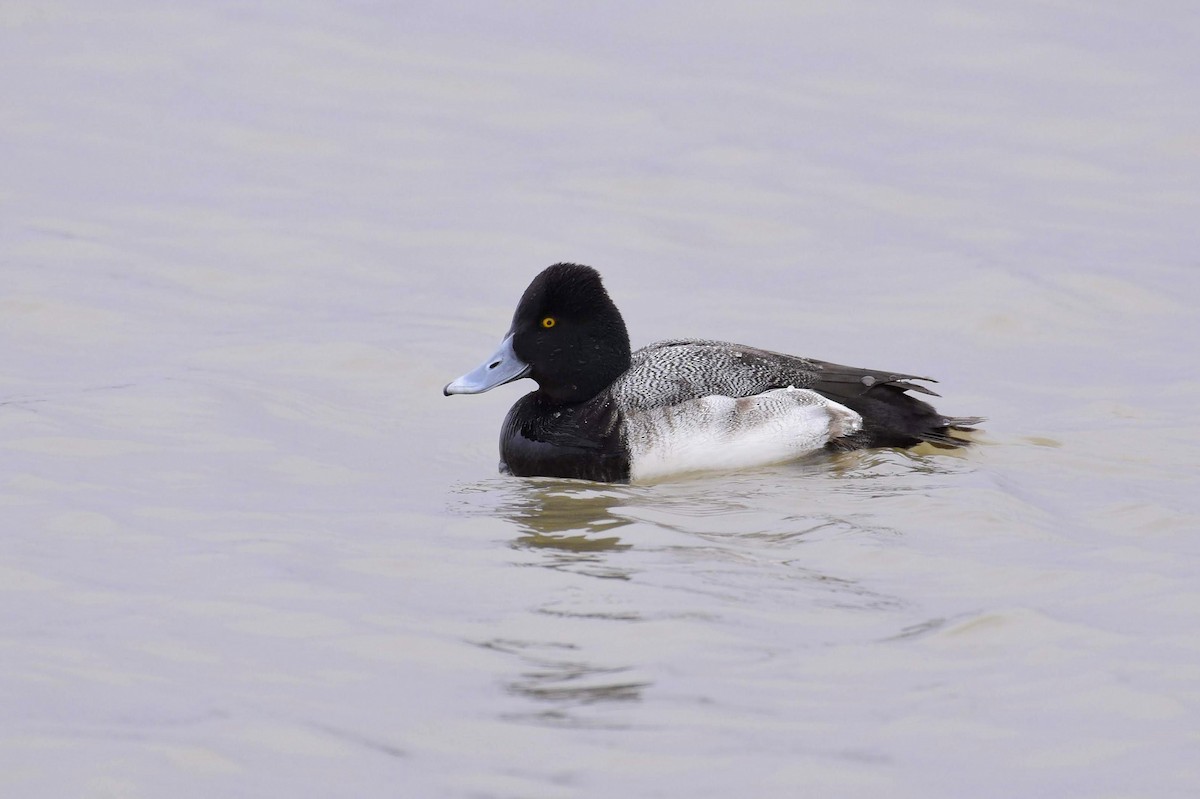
(723, 433)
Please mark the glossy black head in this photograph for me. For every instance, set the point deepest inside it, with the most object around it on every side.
(570, 333)
(566, 334)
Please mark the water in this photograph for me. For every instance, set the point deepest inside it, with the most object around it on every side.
(250, 550)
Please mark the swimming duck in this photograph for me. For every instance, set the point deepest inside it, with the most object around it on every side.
(604, 414)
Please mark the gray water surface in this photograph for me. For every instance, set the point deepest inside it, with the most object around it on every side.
(249, 548)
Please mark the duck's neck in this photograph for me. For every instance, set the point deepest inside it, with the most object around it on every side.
(598, 364)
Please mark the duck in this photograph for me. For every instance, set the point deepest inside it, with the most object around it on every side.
(604, 413)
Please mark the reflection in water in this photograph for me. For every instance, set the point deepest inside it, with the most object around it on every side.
(556, 677)
(555, 514)
(571, 524)
(699, 549)
(587, 513)
(570, 527)
(881, 464)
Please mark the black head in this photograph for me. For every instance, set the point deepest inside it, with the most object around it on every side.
(566, 334)
(570, 333)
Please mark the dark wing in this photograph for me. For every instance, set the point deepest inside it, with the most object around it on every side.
(891, 417)
(851, 381)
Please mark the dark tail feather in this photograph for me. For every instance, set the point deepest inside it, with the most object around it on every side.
(964, 422)
(943, 438)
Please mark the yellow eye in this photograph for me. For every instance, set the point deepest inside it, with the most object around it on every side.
(549, 322)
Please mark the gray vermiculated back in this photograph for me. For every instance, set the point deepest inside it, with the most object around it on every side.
(668, 372)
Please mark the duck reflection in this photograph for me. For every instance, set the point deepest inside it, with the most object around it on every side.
(570, 527)
(561, 683)
(567, 516)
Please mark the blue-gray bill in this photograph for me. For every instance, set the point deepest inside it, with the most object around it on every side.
(502, 367)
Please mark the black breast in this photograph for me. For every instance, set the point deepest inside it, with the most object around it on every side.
(581, 441)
